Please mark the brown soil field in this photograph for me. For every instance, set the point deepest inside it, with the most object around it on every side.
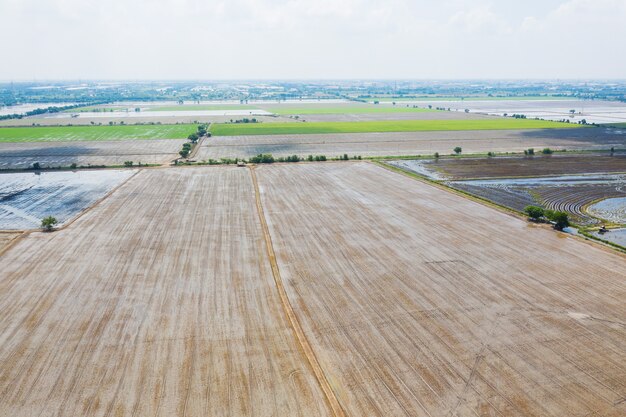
(410, 143)
(465, 168)
(419, 302)
(160, 301)
(24, 154)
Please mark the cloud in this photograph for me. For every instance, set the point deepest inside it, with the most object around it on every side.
(312, 39)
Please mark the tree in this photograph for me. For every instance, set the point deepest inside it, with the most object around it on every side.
(436, 155)
(535, 213)
(559, 218)
(128, 163)
(547, 151)
(36, 165)
(458, 150)
(193, 137)
(48, 223)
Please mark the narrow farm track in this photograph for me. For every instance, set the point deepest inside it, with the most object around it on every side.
(418, 302)
(158, 302)
(304, 343)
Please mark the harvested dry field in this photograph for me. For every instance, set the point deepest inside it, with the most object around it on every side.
(419, 302)
(160, 301)
(411, 143)
(24, 154)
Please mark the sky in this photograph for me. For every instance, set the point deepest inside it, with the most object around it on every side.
(312, 39)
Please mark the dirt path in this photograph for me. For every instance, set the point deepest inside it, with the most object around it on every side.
(302, 340)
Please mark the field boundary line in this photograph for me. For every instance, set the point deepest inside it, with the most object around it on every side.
(593, 241)
(291, 315)
(12, 242)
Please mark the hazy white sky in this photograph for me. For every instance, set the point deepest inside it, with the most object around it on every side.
(291, 39)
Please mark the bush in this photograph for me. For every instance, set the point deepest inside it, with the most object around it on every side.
(262, 159)
(534, 212)
(48, 223)
(559, 218)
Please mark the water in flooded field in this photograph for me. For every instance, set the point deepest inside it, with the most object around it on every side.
(26, 198)
(612, 209)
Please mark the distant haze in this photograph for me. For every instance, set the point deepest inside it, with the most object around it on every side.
(312, 39)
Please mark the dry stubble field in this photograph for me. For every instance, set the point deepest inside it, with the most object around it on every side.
(24, 154)
(416, 302)
(410, 143)
(158, 302)
(419, 302)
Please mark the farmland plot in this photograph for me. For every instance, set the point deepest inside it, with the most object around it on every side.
(503, 167)
(160, 301)
(563, 193)
(54, 154)
(411, 143)
(420, 302)
(26, 198)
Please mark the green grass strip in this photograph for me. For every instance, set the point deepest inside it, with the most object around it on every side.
(95, 133)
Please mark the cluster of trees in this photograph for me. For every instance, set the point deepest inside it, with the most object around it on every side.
(518, 116)
(560, 219)
(186, 150)
(269, 158)
(262, 158)
(244, 120)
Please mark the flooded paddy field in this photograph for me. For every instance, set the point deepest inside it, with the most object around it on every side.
(158, 301)
(617, 236)
(411, 143)
(418, 301)
(593, 111)
(599, 177)
(54, 154)
(26, 198)
(570, 194)
(612, 209)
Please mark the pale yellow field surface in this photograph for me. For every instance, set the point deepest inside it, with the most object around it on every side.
(419, 302)
(160, 301)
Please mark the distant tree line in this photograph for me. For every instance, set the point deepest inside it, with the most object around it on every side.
(51, 109)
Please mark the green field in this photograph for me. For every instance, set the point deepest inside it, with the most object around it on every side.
(471, 98)
(74, 133)
(288, 110)
(240, 129)
(200, 107)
